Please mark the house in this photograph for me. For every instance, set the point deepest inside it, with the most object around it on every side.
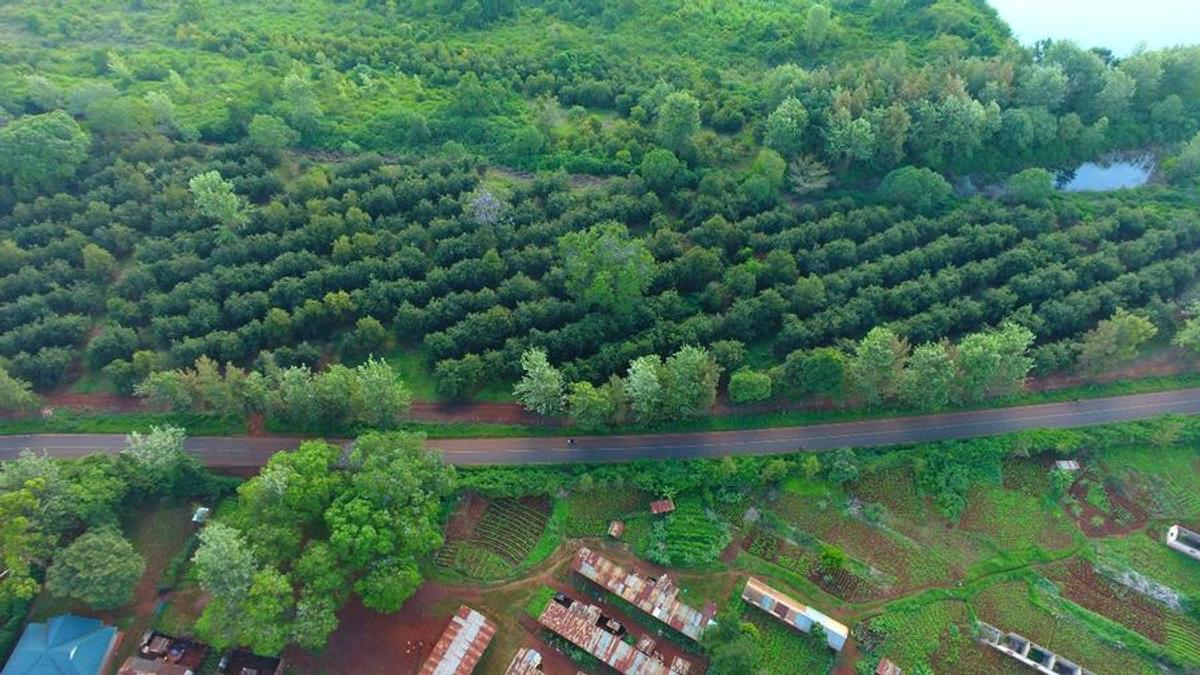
(586, 627)
(886, 667)
(658, 597)
(793, 613)
(242, 662)
(65, 644)
(662, 506)
(526, 662)
(462, 644)
(1033, 655)
(615, 529)
(163, 654)
(1184, 540)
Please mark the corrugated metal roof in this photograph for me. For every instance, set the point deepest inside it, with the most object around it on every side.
(578, 623)
(526, 662)
(657, 597)
(461, 645)
(796, 614)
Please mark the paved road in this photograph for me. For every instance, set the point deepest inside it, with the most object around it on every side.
(246, 453)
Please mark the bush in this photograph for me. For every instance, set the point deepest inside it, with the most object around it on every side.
(749, 386)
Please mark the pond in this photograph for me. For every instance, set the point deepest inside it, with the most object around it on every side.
(1115, 174)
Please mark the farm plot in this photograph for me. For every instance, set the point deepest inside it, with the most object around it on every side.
(1012, 520)
(1011, 606)
(1167, 479)
(1146, 553)
(591, 511)
(931, 637)
(494, 546)
(906, 563)
(842, 583)
(1183, 639)
(780, 650)
(1078, 582)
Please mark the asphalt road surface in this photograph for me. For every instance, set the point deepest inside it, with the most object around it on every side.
(251, 452)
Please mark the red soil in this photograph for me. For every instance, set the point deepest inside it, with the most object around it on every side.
(370, 643)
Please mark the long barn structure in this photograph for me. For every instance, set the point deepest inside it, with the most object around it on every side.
(656, 596)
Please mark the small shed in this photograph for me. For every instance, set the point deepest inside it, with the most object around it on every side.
(1066, 465)
(615, 529)
(662, 506)
(201, 515)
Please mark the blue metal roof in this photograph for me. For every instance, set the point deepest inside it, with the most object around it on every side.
(64, 645)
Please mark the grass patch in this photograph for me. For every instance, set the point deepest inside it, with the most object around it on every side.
(72, 422)
(541, 599)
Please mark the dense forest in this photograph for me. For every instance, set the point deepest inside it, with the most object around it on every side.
(281, 187)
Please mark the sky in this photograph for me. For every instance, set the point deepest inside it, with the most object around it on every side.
(1117, 24)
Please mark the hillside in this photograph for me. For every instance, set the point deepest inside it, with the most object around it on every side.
(768, 181)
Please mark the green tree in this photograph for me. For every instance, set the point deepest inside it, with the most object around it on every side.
(224, 563)
(662, 170)
(784, 128)
(731, 644)
(100, 568)
(163, 465)
(928, 380)
(689, 378)
(315, 620)
(21, 540)
(644, 385)
(16, 394)
(385, 399)
(748, 386)
(215, 199)
(1032, 187)
(270, 134)
(919, 189)
(1188, 163)
(678, 121)
(589, 406)
(832, 560)
(816, 26)
(605, 267)
(98, 264)
(874, 369)
(994, 362)
(40, 151)
(540, 389)
(389, 515)
(851, 139)
(1187, 338)
(264, 613)
(843, 467)
(1114, 341)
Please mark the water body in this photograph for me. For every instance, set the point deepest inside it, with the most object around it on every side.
(1118, 25)
(1103, 176)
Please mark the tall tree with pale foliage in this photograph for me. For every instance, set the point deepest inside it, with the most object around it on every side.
(540, 390)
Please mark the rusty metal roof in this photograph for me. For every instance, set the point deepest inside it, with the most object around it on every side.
(580, 622)
(461, 645)
(526, 662)
(656, 597)
(662, 506)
